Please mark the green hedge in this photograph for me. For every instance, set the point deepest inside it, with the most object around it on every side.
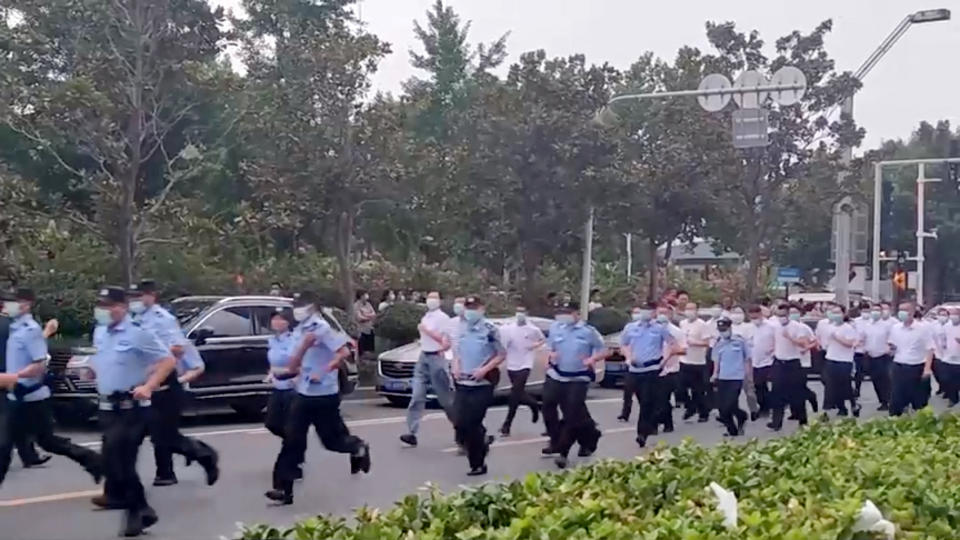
(608, 320)
(398, 323)
(807, 486)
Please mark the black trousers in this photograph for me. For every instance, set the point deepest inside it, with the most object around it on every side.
(762, 377)
(518, 394)
(650, 399)
(323, 413)
(470, 404)
(628, 393)
(728, 405)
(837, 385)
(950, 375)
(577, 424)
(694, 384)
(860, 372)
(24, 420)
(788, 390)
(123, 433)
(669, 384)
(909, 388)
(24, 445)
(879, 368)
(167, 405)
(278, 412)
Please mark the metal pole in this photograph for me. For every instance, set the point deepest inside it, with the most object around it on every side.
(841, 269)
(921, 231)
(585, 278)
(629, 255)
(877, 208)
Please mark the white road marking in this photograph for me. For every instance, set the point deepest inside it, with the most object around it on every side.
(49, 498)
(517, 442)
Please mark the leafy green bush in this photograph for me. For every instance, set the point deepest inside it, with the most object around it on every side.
(398, 323)
(808, 486)
(608, 320)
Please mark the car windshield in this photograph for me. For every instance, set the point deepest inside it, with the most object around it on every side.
(187, 309)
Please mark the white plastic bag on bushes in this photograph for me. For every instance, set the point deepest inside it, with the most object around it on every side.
(871, 520)
(727, 504)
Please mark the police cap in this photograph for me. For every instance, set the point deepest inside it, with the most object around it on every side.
(112, 295)
(284, 313)
(304, 298)
(724, 323)
(25, 294)
(569, 307)
(146, 286)
(473, 302)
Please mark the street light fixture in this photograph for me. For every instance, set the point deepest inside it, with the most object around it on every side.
(930, 15)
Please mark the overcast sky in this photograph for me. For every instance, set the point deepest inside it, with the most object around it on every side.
(919, 79)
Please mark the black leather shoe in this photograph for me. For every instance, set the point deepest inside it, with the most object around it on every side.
(132, 524)
(148, 517)
(547, 451)
(505, 431)
(754, 416)
(164, 481)
(856, 411)
(211, 467)
(279, 496)
(361, 461)
(623, 418)
(489, 440)
(560, 462)
(773, 426)
(584, 452)
(535, 411)
(96, 471)
(669, 429)
(642, 441)
(409, 439)
(478, 471)
(101, 501)
(37, 462)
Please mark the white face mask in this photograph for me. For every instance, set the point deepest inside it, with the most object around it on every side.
(301, 313)
(943, 319)
(737, 318)
(565, 319)
(457, 308)
(521, 317)
(691, 314)
(137, 307)
(433, 304)
(11, 308)
(102, 316)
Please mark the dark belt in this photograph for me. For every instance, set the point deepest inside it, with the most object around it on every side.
(120, 401)
(651, 363)
(431, 353)
(584, 373)
(21, 390)
(785, 360)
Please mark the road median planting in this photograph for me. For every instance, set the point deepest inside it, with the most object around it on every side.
(811, 485)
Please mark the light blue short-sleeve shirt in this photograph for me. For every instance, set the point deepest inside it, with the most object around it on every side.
(572, 343)
(280, 348)
(124, 354)
(26, 345)
(731, 355)
(162, 324)
(478, 342)
(316, 359)
(646, 341)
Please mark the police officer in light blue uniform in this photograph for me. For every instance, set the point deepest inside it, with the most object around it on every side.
(168, 400)
(731, 362)
(642, 344)
(280, 348)
(476, 370)
(28, 412)
(317, 358)
(130, 364)
(575, 348)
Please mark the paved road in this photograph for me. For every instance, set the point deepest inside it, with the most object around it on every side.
(52, 503)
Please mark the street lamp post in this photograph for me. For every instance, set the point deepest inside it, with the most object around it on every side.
(844, 224)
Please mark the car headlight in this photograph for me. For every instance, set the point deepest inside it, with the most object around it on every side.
(78, 367)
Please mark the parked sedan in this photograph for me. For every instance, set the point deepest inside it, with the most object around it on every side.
(395, 368)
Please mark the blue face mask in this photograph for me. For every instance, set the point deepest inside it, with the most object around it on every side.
(472, 315)
(645, 315)
(902, 315)
(662, 319)
(565, 319)
(101, 316)
(725, 333)
(794, 316)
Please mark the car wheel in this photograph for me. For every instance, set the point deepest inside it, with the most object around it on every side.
(398, 401)
(251, 408)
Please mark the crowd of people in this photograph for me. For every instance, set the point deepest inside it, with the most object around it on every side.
(763, 351)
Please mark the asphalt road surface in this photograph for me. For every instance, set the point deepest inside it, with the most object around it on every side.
(52, 503)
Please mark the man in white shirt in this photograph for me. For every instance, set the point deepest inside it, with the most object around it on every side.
(939, 328)
(431, 370)
(912, 343)
(859, 318)
(521, 340)
(789, 343)
(694, 376)
(841, 339)
(746, 330)
(762, 357)
(951, 358)
(673, 354)
(876, 336)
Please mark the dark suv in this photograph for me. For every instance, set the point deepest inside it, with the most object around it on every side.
(231, 334)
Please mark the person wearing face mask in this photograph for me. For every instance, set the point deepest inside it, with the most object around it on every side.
(742, 327)
(131, 364)
(636, 314)
(806, 362)
(575, 348)
(887, 315)
(939, 327)
(431, 368)
(476, 371)
(167, 402)
(364, 315)
(280, 347)
(951, 358)
(731, 365)
(860, 318)
(762, 349)
(912, 343)
(875, 337)
(642, 345)
(316, 359)
(27, 415)
(521, 341)
(693, 365)
(841, 339)
(790, 342)
(456, 322)
(386, 300)
(673, 355)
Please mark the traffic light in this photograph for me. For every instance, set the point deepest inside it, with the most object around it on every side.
(900, 280)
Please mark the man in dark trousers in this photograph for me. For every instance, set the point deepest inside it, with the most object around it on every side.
(25, 447)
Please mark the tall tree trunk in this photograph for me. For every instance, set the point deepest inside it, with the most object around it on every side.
(652, 257)
(530, 290)
(344, 240)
